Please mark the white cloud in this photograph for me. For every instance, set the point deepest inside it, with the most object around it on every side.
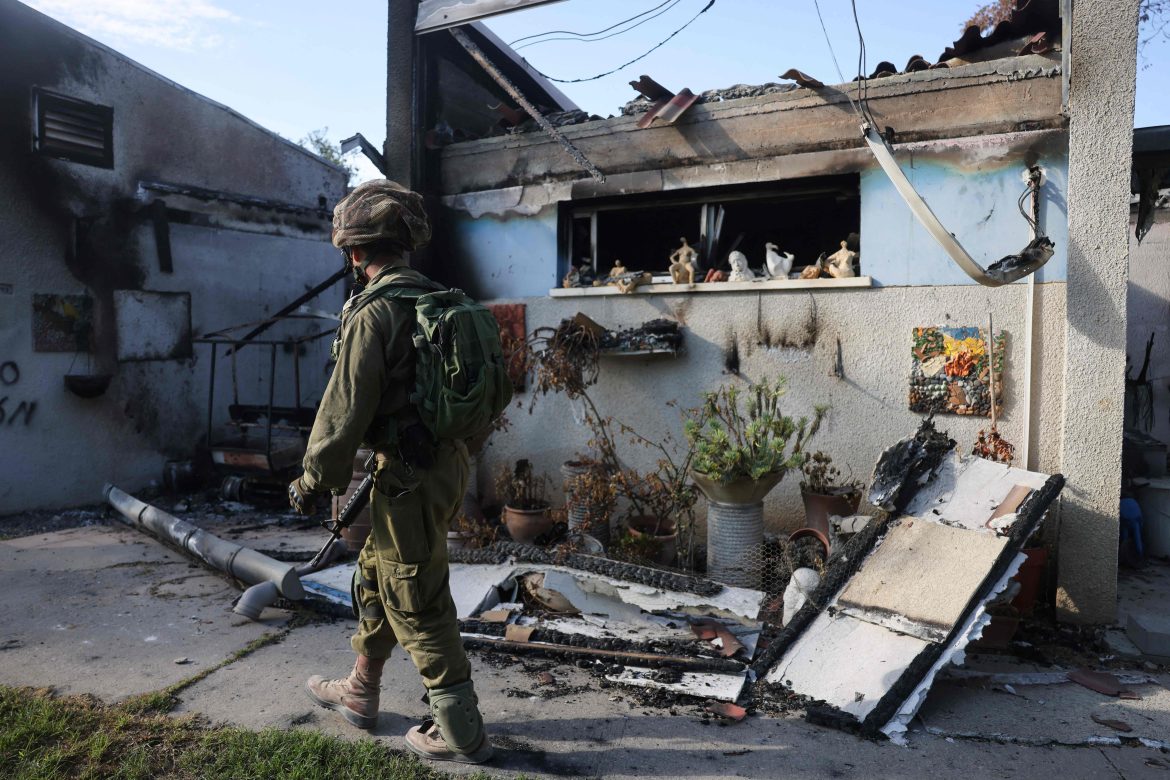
(186, 25)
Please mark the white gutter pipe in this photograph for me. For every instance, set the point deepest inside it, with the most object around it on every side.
(246, 565)
(998, 274)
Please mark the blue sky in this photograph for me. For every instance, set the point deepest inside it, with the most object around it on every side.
(296, 66)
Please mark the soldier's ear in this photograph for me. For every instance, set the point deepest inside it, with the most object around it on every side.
(357, 255)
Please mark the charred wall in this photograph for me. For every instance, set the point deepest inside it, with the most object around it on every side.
(76, 234)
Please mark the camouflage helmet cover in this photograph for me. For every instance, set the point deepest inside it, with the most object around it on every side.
(381, 209)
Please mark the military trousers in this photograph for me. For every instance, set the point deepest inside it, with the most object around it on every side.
(403, 588)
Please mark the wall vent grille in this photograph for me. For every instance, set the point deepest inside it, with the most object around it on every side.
(73, 129)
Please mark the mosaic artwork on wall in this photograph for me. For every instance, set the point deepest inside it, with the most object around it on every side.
(62, 323)
(950, 371)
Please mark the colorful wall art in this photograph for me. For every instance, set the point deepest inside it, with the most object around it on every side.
(950, 373)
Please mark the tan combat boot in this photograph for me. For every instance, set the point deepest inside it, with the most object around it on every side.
(356, 696)
(455, 730)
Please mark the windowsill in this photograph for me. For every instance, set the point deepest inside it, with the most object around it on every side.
(771, 285)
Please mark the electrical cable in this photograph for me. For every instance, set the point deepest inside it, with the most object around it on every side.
(590, 35)
(862, 66)
(654, 48)
(672, 3)
(833, 54)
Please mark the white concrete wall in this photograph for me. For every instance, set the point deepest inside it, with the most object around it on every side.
(153, 410)
(1148, 305)
(973, 184)
(1101, 100)
(869, 405)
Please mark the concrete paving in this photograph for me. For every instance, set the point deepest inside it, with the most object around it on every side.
(107, 610)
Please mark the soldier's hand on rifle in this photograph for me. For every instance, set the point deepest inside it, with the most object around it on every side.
(302, 498)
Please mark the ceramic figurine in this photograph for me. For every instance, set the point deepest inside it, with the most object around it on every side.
(841, 262)
(682, 264)
(814, 271)
(572, 278)
(739, 268)
(624, 279)
(715, 275)
(776, 265)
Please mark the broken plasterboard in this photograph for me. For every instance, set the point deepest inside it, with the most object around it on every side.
(906, 602)
(949, 564)
(707, 685)
(967, 491)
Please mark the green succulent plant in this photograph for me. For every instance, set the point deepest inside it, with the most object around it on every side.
(743, 434)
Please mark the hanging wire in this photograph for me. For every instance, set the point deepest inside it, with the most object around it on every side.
(862, 67)
(654, 48)
(568, 35)
(833, 54)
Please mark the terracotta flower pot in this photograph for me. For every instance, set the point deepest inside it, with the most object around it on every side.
(737, 491)
(665, 540)
(525, 525)
(819, 506)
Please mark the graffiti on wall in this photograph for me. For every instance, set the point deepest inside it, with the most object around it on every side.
(950, 371)
(62, 323)
(13, 412)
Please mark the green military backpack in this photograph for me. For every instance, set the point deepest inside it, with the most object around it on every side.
(461, 380)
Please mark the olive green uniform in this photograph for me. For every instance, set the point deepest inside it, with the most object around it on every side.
(404, 595)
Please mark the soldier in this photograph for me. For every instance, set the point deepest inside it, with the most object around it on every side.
(401, 590)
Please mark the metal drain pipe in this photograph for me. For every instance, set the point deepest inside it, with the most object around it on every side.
(240, 562)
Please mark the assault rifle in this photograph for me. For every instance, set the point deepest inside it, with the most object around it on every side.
(356, 503)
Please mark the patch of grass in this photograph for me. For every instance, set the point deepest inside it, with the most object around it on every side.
(79, 737)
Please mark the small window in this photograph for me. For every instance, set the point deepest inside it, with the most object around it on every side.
(806, 217)
(72, 129)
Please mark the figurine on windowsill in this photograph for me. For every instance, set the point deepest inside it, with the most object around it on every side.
(682, 264)
(572, 278)
(715, 275)
(841, 262)
(814, 271)
(623, 278)
(776, 265)
(739, 268)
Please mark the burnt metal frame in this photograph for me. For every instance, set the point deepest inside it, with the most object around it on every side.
(235, 344)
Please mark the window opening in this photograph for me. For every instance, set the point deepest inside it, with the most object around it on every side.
(807, 217)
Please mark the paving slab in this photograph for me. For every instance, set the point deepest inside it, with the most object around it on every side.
(1046, 714)
(107, 610)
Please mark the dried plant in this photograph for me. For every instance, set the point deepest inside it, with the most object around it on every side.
(521, 488)
(821, 476)
(595, 493)
(733, 443)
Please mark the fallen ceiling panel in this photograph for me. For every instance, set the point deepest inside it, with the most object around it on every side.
(908, 593)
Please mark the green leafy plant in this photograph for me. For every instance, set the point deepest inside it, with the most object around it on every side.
(521, 488)
(743, 434)
(821, 476)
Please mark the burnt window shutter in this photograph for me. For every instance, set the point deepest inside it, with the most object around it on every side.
(72, 129)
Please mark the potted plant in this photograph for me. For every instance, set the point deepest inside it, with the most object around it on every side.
(825, 493)
(743, 446)
(590, 497)
(525, 497)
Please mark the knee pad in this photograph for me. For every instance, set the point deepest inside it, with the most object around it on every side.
(455, 710)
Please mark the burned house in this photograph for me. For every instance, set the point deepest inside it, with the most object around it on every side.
(137, 216)
(787, 165)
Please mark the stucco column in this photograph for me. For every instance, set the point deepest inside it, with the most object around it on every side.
(400, 91)
(1101, 98)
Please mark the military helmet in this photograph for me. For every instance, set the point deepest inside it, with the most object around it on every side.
(381, 209)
